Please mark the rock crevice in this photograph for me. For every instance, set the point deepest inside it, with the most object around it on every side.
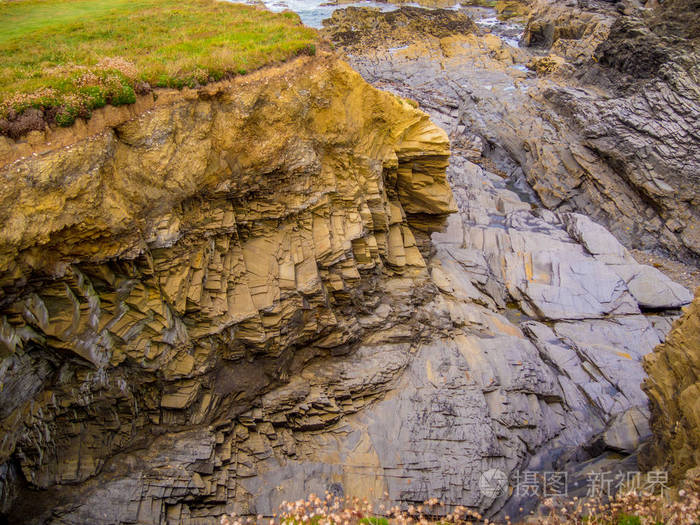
(164, 273)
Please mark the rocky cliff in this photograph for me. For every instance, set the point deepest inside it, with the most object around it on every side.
(611, 135)
(162, 274)
(628, 111)
(243, 294)
(673, 386)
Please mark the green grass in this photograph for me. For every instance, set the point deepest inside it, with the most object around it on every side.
(67, 57)
(627, 519)
(374, 521)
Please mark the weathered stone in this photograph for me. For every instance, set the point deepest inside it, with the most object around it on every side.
(184, 255)
(628, 431)
(673, 387)
(571, 32)
(268, 311)
(649, 287)
(362, 28)
(619, 149)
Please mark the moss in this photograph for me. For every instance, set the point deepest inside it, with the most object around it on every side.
(66, 116)
(374, 521)
(94, 96)
(123, 95)
(628, 519)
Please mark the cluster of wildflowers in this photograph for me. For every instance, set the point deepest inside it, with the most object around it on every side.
(123, 66)
(333, 510)
(76, 92)
(628, 508)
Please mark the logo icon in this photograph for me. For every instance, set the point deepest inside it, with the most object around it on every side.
(493, 483)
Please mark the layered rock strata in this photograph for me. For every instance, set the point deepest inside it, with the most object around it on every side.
(256, 305)
(632, 100)
(673, 386)
(611, 135)
(162, 274)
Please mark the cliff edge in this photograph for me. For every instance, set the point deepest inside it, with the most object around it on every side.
(163, 273)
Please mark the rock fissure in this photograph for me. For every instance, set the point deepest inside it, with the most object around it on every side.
(284, 284)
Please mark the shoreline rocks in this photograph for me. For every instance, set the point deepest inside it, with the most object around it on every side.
(591, 138)
(560, 280)
(287, 285)
(673, 387)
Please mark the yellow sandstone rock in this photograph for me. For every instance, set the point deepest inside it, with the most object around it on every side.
(673, 387)
(152, 261)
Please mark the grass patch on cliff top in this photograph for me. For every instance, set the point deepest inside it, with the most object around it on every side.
(60, 59)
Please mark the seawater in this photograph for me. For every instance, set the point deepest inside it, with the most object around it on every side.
(314, 12)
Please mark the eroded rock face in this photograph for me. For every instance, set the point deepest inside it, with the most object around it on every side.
(635, 106)
(549, 315)
(253, 294)
(603, 136)
(360, 29)
(673, 386)
(165, 273)
(569, 31)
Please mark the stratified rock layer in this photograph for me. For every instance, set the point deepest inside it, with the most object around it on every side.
(673, 386)
(164, 273)
(613, 135)
(628, 115)
(239, 298)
